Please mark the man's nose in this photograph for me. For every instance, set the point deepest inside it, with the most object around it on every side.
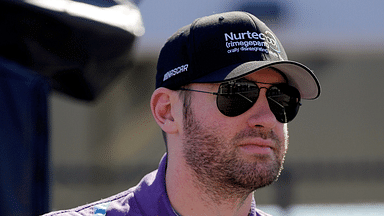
(260, 114)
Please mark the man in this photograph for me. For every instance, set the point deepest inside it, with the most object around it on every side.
(225, 92)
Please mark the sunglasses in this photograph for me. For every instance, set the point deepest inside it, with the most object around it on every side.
(236, 97)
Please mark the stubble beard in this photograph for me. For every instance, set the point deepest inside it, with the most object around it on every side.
(218, 169)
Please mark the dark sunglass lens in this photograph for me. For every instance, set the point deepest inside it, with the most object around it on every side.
(236, 98)
(284, 102)
(233, 105)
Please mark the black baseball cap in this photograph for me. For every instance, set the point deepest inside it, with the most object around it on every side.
(224, 47)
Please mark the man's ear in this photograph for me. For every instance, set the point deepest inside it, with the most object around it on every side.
(161, 106)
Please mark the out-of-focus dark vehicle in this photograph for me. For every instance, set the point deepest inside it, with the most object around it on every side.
(76, 47)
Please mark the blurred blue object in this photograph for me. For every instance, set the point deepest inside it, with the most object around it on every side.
(24, 178)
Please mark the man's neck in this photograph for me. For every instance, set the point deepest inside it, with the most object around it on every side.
(189, 197)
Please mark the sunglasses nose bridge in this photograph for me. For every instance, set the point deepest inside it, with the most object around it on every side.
(260, 112)
(261, 101)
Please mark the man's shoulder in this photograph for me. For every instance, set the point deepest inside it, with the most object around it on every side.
(147, 198)
(261, 213)
(119, 204)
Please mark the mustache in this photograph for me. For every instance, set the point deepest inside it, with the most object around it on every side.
(259, 132)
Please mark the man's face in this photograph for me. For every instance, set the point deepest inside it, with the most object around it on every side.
(244, 152)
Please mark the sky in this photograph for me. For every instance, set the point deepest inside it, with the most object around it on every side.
(307, 24)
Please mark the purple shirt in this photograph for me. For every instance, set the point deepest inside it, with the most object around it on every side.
(149, 197)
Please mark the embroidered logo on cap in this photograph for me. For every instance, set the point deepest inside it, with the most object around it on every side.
(251, 41)
(175, 71)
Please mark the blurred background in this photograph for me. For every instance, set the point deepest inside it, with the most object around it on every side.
(335, 158)
(335, 163)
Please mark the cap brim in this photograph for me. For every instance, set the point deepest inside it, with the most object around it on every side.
(298, 75)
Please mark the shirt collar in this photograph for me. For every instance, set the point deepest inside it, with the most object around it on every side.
(152, 197)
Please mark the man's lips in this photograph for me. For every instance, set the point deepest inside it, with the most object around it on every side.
(257, 146)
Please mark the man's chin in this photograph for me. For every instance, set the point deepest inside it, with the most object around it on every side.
(256, 172)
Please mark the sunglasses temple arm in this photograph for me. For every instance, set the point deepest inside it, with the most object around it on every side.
(194, 90)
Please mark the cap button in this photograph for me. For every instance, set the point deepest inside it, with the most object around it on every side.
(221, 18)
